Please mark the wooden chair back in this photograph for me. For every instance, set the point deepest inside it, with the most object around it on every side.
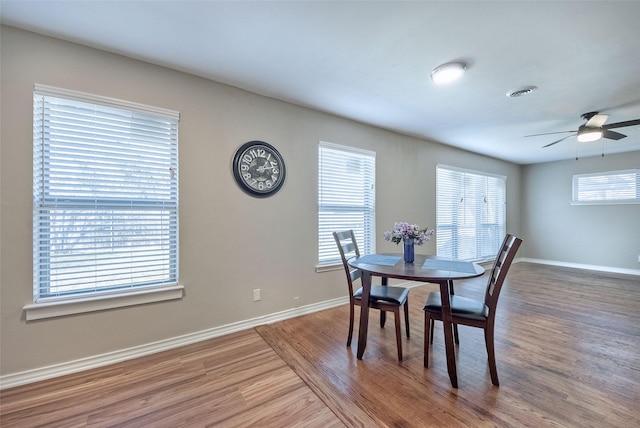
(348, 247)
(499, 272)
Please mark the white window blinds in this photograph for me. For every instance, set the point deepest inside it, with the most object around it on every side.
(621, 187)
(105, 195)
(470, 213)
(346, 198)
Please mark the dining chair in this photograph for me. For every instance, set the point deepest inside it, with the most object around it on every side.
(384, 297)
(475, 313)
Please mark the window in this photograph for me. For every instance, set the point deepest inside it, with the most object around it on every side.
(105, 196)
(470, 213)
(615, 187)
(346, 198)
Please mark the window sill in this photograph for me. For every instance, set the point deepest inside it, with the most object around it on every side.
(58, 308)
(618, 202)
(328, 268)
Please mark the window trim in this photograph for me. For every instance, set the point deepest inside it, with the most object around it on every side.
(575, 181)
(48, 307)
(106, 101)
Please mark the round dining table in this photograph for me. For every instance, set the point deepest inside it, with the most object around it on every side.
(424, 268)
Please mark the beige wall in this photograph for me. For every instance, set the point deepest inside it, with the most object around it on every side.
(592, 235)
(230, 243)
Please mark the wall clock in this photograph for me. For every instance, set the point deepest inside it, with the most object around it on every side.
(259, 169)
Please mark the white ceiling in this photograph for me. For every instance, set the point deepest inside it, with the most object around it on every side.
(370, 61)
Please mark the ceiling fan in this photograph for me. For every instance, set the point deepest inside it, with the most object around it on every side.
(593, 129)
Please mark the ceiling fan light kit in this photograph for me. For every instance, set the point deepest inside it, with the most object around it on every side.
(587, 134)
(447, 73)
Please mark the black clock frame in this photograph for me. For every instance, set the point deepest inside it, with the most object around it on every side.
(238, 174)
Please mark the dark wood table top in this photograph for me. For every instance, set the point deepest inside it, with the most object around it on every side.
(439, 268)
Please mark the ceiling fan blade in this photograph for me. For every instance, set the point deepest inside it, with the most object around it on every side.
(548, 133)
(597, 120)
(622, 124)
(557, 141)
(612, 135)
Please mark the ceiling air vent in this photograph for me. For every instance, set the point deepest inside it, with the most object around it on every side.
(521, 92)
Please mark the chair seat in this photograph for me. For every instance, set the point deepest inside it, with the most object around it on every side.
(460, 307)
(397, 295)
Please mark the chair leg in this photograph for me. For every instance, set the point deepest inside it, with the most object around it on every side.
(396, 312)
(351, 314)
(491, 352)
(383, 314)
(406, 317)
(432, 324)
(428, 326)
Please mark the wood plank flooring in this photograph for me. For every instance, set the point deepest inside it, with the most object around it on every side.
(231, 381)
(568, 355)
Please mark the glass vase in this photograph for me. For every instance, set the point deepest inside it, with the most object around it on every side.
(409, 250)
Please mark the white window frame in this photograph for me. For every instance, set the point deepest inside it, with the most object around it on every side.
(470, 213)
(95, 164)
(606, 188)
(346, 200)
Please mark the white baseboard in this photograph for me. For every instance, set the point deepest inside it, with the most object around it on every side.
(56, 370)
(49, 372)
(581, 266)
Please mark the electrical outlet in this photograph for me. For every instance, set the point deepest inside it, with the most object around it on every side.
(638, 258)
(256, 294)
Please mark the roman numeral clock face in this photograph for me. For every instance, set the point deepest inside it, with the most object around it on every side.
(258, 168)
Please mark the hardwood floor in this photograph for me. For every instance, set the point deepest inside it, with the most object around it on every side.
(568, 355)
(231, 381)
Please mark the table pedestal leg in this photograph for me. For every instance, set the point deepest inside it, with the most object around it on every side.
(364, 313)
(448, 333)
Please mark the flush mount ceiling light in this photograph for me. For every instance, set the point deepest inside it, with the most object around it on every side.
(447, 73)
(587, 134)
